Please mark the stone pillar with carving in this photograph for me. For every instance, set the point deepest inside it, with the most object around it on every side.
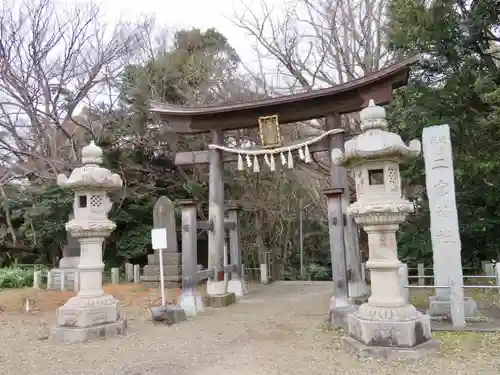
(91, 313)
(387, 325)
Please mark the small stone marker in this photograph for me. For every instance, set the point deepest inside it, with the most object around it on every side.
(129, 272)
(137, 273)
(164, 217)
(37, 275)
(115, 275)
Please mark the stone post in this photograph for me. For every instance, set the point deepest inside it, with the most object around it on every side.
(190, 301)
(236, 284)
(129, 272)
(91, 313)
(387, 325)
(137, 273)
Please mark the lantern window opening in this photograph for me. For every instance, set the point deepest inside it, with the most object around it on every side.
(82, 201)
(376, 176)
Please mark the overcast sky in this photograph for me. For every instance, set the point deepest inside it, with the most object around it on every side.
(178, 14)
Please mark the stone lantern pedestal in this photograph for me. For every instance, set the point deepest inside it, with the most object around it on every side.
(387, 325)
(91, 313)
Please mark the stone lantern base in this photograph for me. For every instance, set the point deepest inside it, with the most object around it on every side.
(389, 339)
(82, 319)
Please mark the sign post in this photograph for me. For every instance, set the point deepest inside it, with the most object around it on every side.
(159, 242)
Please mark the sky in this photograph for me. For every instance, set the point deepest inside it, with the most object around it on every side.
(180, 14)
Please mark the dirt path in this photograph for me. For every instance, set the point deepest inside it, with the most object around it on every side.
(277, 329)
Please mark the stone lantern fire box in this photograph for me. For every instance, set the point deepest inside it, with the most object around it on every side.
(91, 313)
(385, 326)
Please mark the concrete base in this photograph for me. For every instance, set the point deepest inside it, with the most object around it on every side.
(359, 300)
(81, 312)
(391, 331)
(366, 351)
(192, 304)
(168, 314)
(216, 287)
(222, 300)
(76, 334)
(337, 316)
(442, 308)
(238, 287)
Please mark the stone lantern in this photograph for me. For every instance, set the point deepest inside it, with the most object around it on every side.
(387, 324)
(91, 313)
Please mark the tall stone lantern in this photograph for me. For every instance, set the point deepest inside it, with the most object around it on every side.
(386, 325)
(91, 313)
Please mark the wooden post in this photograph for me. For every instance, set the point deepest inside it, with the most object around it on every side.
(237, 283)
(336, 231)
(339, 179)
(189, 244)
(189, 301)
(216, 217)
(234, 240)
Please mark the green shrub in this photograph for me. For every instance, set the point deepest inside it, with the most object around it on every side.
(16, 277)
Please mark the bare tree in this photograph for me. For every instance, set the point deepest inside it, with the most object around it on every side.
(319, 43)
(54, 62)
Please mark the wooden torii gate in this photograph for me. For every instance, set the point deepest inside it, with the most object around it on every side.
(329, 103)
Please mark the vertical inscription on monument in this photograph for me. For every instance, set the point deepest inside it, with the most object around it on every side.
(440, 186)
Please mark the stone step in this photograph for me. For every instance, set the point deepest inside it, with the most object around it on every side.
(168, 270)
(156, 284)
(168, 258)
(156, 278)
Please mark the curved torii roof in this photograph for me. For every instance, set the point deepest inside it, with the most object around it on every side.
(345, 98)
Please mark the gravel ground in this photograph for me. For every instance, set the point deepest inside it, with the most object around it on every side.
(277, 329)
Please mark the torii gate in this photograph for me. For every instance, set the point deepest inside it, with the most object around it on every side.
(329, 103)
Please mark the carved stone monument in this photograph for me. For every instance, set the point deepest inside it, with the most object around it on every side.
(67, 276)
(91, 313)
(446, 247)
(164, 217)
(387, 325)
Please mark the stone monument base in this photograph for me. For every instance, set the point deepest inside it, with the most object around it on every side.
(222, 300)
(238, 287)
(84, 318)
(77, 334)
(191, 303)
(168, 314)
(406, 337)
(440, 308)
(365, 351)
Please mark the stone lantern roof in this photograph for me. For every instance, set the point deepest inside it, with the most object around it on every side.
(375, 143)
(91, 175)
